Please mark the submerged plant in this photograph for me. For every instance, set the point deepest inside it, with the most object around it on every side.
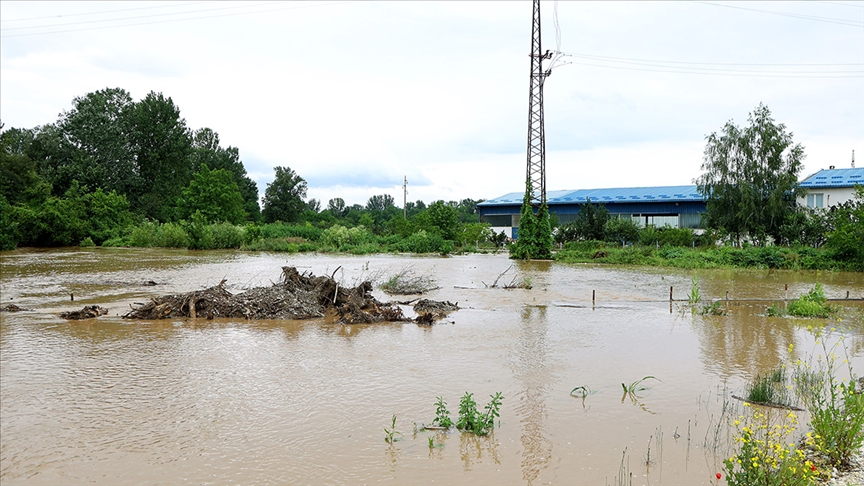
(694, 297)
(582, 391)
(442, 415)
(472, 420)
(391, 432)
(636, 386)
(713, 309)
(774, 310)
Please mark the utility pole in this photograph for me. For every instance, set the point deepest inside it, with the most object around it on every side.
(536, 167)
(405, 197)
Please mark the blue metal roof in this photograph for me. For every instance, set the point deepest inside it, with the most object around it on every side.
(606, 196)
(834, 178)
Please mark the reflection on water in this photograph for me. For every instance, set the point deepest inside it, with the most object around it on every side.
(531, 371)
(111, 401)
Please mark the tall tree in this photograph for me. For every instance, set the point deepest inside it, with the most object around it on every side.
(751, 178)
(207, 150)
(92, 144)
(336, 206)
(283, 198)
(215, 195)
(163, 145)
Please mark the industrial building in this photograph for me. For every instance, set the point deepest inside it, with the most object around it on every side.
(830, 187)
(676, 206)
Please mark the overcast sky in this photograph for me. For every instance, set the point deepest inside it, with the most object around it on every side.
(355, 95)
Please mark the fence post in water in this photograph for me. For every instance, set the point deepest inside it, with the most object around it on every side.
(787, 292)
(847, 295)
(593, 294)
(670, 293)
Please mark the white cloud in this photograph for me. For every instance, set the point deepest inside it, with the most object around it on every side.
(355, 95)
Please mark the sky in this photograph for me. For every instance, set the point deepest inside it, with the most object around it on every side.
(356, 95)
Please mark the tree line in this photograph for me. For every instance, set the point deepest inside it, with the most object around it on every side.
(111, 164)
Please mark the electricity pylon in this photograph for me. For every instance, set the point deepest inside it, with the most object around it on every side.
(536, 168)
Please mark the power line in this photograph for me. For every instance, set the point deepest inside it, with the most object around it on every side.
(98, 13)
(766, 74)
(851, 23)
(167, 20)
(622, 59)
(134, 18)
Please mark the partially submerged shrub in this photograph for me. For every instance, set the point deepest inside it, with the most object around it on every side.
(812, 304)
(406, 282)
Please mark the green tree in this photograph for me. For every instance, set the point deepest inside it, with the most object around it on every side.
(622, 229)
(20, 182)
(589, 224)
(163, 145)
(379, 202)
(336, 206)
(440, 218)
(283, 198)
(751, 179)
(215, 195)
(846, 240)
(91, 143)
(206, 150)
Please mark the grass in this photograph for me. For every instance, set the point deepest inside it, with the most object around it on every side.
(769, 389)
(635, 387)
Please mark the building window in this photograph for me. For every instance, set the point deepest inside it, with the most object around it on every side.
(814, 201)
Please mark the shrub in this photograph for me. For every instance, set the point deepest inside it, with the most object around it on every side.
(812, 304)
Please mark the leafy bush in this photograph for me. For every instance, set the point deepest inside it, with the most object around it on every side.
(812, 304)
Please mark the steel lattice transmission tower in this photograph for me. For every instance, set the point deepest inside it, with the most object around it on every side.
(536, 168)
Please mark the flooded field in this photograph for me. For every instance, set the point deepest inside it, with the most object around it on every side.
(115, 401)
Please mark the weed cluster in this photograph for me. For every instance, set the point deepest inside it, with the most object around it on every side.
(766, 455)
(406, 282)
(836, 407)
(470, 418)
(391, 432)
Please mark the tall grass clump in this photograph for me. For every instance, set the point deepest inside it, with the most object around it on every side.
(836, 407)
(812, 304)
(472, 420)
(166, 235)
(769, 389)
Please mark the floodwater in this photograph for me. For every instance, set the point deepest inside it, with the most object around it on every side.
(114, 401)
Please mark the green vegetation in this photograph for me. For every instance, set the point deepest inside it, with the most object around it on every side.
(472, 420)
(535, 230)
(811, 304)
(766, 455)
(751, 178)
(635, 387)
(769, 389)
(391, 432)
(709, 256)
(695, 297)
(836, 407)
(442, 415)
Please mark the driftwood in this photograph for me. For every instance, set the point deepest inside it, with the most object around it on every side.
(295, 296)
(88, 312)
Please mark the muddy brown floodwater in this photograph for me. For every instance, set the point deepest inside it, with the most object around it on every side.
(114, 401)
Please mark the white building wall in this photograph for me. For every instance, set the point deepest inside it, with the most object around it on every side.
(831, 196)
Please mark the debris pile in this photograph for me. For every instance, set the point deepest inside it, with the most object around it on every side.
(295, 296)
(12, 308)
(88, 312)
(429, 311)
